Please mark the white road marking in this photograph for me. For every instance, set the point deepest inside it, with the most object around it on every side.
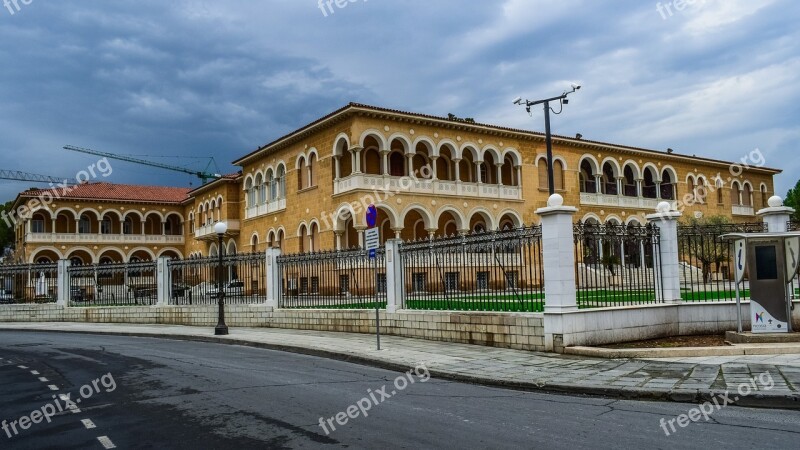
(22, 367)
(34, 372)
(43, 379)
(73, 408)
(88, 424)
(52, 387)
(106, 442)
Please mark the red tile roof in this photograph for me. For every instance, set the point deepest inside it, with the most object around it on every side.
(118, 192)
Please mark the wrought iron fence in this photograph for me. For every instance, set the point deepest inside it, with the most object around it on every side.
(195, 281)
(617, 265)
(494, 271)
(128, 284)
(707, 263)
(345, 279)
(29, 283)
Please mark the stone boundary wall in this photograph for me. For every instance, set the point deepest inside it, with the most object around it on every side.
(506, 330)
(591, 327)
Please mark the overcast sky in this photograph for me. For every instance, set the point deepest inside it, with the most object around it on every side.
(218, 78)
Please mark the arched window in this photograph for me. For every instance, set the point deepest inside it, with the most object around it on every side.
(127, 226)
(701, 191)
(747, 195)
(667, 186)
(281, 181)
(259, 190)
(764, 198)
(542, 172)
(736, 194)
(558, 175)
(630, 183)
(251, 193)
(719, 185)
(84, 225)
(301, 237)
(397, 164)
(609, 180)
(301, 172)
(273, 191)
(587, 179)
(312, 170)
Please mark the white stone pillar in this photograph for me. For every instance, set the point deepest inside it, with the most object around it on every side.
(499, 169)
(776, 216)
(355, 153)
(457, 163)
(668, 279)
(163, 281)
(337, 165)
(478, 174)
(398, 233)
(385, 164)
(558, 255)
(410, 164)
(53, 226)
(518, 181)
(273, 278)
(395, 284)
(63, 282)
(434, 172)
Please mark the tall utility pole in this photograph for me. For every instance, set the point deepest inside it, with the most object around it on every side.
(562, 100)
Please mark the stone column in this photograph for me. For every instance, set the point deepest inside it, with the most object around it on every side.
(361, 231)
(519, 176)
(63, 282)
(558, 255)
(410, 165)
(338, 239)
(776, 216)
(395, 279)
(457, 163)
(434, 172)
(52, 226)
(385, 164)
(273, 278)
(397, 233)
(666, 254)
(337, 165)
(499, 168)
(163, 282)
(478, 175)
(356, 155)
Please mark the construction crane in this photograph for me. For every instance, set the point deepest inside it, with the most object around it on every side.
(16, 175)
(203, 175)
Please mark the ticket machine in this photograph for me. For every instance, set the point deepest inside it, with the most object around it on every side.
(771, 261)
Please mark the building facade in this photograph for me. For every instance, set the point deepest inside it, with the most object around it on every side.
(428, 176)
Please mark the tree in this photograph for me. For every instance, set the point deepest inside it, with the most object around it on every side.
(702, 242)
(792, 200)
(6, 231)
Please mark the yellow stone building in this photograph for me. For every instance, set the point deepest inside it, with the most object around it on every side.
(428, 176)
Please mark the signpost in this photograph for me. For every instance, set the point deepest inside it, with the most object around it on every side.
(372, 240)
(740, 256)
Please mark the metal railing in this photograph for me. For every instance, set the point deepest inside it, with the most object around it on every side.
(345, 279)
(195, 281)
(495, 271)
(793, 225)
(28, 283)
(129, 284)
(617, 265)
(707, 263)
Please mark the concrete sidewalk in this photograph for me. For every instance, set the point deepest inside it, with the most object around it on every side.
(676, 379)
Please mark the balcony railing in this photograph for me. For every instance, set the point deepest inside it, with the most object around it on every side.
(436, 187)
(207, 231)
(742, 210)
(621, 201)
(64, 238)
(266, 208)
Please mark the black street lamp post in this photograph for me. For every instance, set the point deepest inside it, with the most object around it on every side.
(221, 329)
(562, 99)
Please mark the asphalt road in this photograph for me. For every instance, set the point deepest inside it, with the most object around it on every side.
(164, 394)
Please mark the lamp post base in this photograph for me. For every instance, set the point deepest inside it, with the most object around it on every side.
(221, 330)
